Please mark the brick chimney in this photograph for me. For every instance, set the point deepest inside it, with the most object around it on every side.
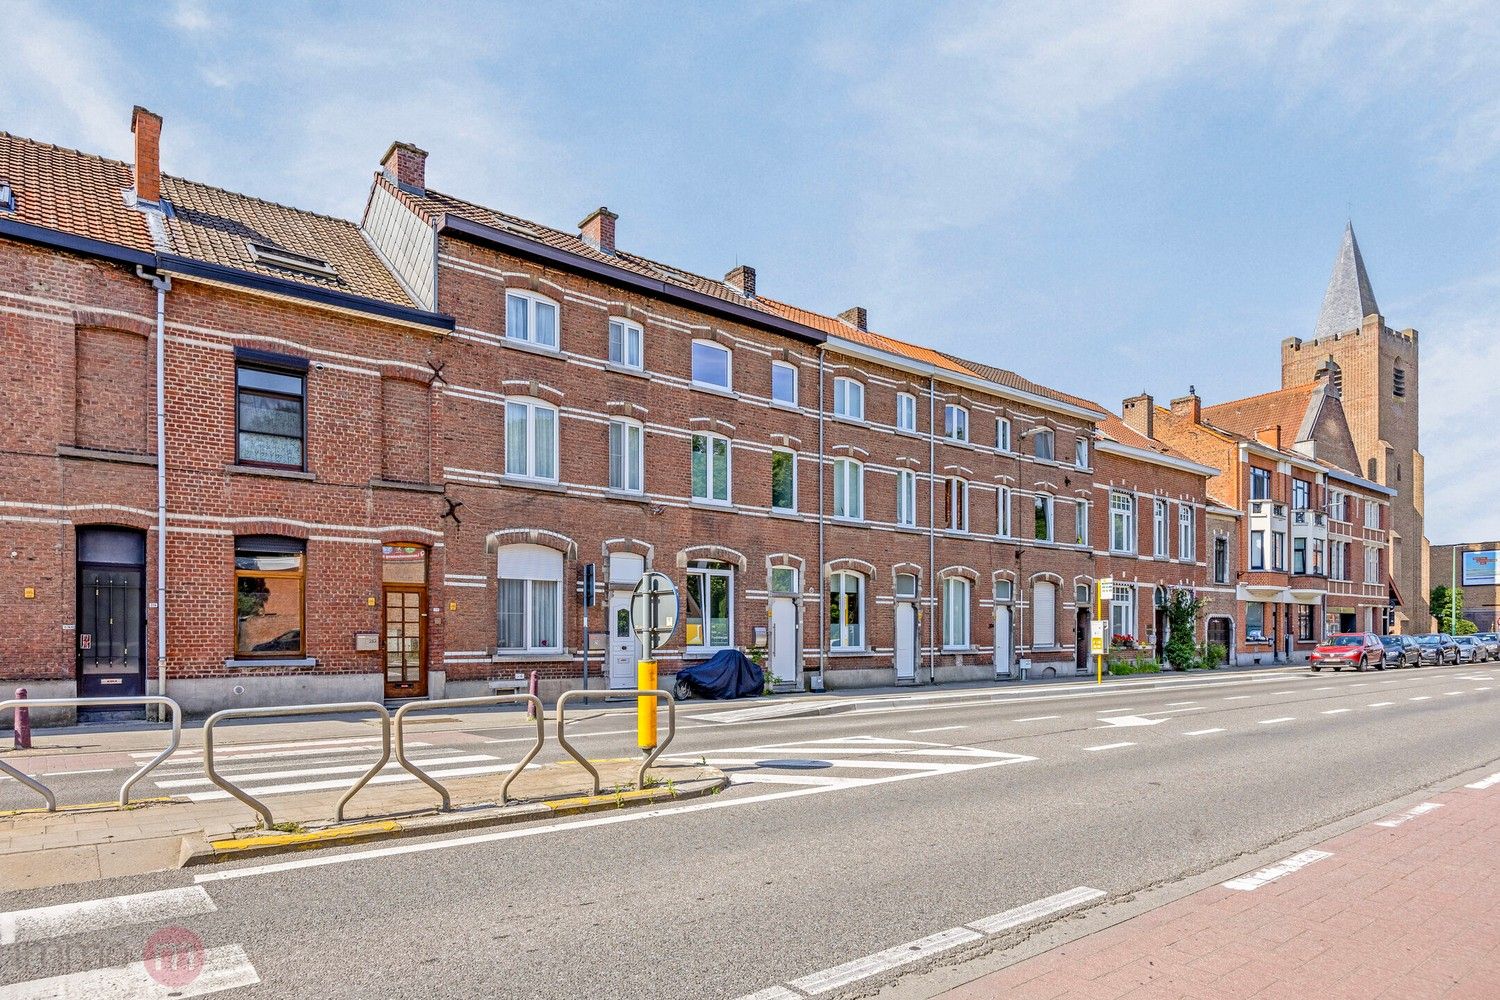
(1270, 436)
(742, 280)
(598, 230)
(856, 317)
(1139, 414)
(407, 166)
(147, 129)
(1189, 406)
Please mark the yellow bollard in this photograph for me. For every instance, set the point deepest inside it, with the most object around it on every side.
(645, 705)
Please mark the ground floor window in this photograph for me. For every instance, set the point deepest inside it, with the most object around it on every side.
(846, 600)
(1044, 615)
(529, 602)
(710, 607)
(1304, 622)
(1122, 615)
(1255, 622)
(955, 613)
(269, 580)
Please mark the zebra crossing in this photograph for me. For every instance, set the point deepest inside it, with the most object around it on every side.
(847, 761)
(169, 961)
(306, 766)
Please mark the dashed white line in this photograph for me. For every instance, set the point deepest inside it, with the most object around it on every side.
(1037, 718)
(1323, 689)
(1108, 746)
(1035, 911)
(1410, 814)
(1272, 722)
(1421, 697)
(1237, 697)
(935, 729)
(883, 961)
(1249, 883)
(1380, 704)
(1174, 704)
(1484, 783)
(223, 968)
(1203, 732)
(47, 922)
(1338, 711)
(1449, 694)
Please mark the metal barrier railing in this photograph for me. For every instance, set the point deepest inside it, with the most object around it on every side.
(147, 768)
(533, 701)
(257, 713)
(582, 695)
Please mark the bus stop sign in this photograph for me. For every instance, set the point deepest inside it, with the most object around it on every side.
(653, 611)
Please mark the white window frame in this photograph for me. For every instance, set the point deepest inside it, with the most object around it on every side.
(793, 455)
(956, 504)
(1161, 529)
(1003, 503)
(906, 412)
(708, 573)
(1081, 452)
(846, 392)
(1372, 564)
(839, 635)
(848, 485)
(1122, 521)
(955, 422)
(621, 431)
(792, 369)
(531, 407)
(708, 475)
(728, 385)
(906, 498)
(627, 335)
(1371, 507)
(528, 598)
(1038, 436)
(1002, 434)
(957, 617)
(528, 336)
(1081, 521)
(1185, 532)
(1122, 613)
(1258, 561)
(1047, 502)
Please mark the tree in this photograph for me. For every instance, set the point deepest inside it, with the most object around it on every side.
(1183, 611)
(1446, 604)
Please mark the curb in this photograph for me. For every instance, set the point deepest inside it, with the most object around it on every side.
(200, 851)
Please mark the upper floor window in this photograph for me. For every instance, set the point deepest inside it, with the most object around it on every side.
(530, 439)
(1081, 522)
(846, 607)
(783, 383)
(710, 468)
(270, 407)
(956, 503)
(783, 480)
(1002, 434)
(1185, 532)
(955, 423)
(1161, 532)
(1221, 560)
(1338, 506)
(906, 412)
(906, 498)
(711, 364)
(848, 399)
(531, 318)
(1260, 484)
(1278, 550)
(1081, 452)
(1002, 511)
(1043, 516)
(1398, 382)
(625, 343)
(626, 456)
(848, 489)
(1257, 550)
(1301, 494)
(1372, 515)
(1121, 521)
(1041, 443)
(1372, 564)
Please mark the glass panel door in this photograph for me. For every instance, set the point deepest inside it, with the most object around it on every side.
(405, 646)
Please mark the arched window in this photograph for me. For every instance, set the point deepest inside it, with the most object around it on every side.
(1044, 615)
(712, 365)
(531, 439)
(846, 611)
(709, 611)
(955, 613)
(848, 489)
(848, 399)
(627, 460)
(955, 422)
(529, 600)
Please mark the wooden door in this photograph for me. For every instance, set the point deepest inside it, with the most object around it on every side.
(405, 641)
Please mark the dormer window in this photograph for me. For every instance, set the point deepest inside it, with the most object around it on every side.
(289, 260)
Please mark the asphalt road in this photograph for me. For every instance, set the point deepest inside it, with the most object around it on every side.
(848, 833)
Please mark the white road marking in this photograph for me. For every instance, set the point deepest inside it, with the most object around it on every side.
(1338, 711)
(1484, 783)
(304, 772)
(1380, 704)
(935, 729)
(1037, 718)
(224, 968)
(1202, 732)
(1449, 694)
(1174, 704)
(884, 961)
(762, 778)
(1035, 911)
(379, 779)
(1248, 883)
(772, 993)
(1410, 814)
(1272, 722)
(58, 774)
(1108, 746)
(232, 748)
(1482, 688)
(1388, 682)
(1238, 697)
(46, 922)
(1421, 697)
(223, 761)
(1323, 689)
(1123, 721)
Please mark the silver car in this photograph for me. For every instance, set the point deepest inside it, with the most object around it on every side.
(1470, 649)
(1491, 641)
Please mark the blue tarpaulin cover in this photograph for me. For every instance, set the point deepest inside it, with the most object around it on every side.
(728, 674)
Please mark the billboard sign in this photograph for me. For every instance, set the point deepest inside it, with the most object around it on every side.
(1482, 569)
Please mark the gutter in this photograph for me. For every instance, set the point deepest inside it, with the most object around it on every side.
(42, 236)
(161, 284)
(822, 565)
(1112, 447)
(932, 611)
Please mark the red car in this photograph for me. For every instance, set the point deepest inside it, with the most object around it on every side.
(1360, 650)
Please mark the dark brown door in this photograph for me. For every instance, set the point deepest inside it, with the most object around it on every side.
(1218, 632)
(1081, 640)
(405, 641)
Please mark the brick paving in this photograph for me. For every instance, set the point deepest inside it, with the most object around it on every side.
(1410, 911)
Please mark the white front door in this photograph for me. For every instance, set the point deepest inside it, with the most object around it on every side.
(783, 661)
(906, 641)
(1004, 651)
(624, 650)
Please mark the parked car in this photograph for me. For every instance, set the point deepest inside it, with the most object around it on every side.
(1360, 650)
(1470, 649)
(1437, 648)
(1401, 651)
(1491, 642)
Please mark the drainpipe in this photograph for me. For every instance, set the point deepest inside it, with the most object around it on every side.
(931, 530)
(162, 284)
(822, 583)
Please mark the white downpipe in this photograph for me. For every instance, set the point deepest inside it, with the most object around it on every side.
(162, 284)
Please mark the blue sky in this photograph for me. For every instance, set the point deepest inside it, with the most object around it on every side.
(1104, 197)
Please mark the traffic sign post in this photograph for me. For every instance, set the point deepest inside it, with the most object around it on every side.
(653, 617)
(1096, 641)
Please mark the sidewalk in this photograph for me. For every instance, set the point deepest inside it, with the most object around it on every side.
(1406, 908)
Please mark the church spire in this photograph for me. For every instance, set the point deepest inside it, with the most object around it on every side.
(1349, 298)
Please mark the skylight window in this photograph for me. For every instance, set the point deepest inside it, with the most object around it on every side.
(290, 260)
(7, 199)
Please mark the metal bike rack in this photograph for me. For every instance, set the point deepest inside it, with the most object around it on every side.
(258, 713)
(502, 699)
(582, 695)
(44, 791)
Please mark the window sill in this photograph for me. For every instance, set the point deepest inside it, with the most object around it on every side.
(305, 661)
(530, 656)
(619, 369)
(533, 484)
(701, 504)
(782, 404)
(255, 470)
(785, 515)
(392, 484)
(960, 649)
(698, 653)
(102, 455)
(714, 390)
(910, 529)
(846, 419)
(844, 654)
(851, 521)
(910, 432)
(627, 496)
(530, 348)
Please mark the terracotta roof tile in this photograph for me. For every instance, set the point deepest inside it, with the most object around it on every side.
(1283, 408)
(71, 192)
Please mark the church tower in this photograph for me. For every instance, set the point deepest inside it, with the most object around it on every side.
(1376, 371)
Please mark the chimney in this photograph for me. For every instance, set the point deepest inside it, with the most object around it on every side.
(147, 129)
(407, 166)
(1270, 436)
(1139, 413)
(742, 280)
(1189, 406)
(856, 317)
(598, 230)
